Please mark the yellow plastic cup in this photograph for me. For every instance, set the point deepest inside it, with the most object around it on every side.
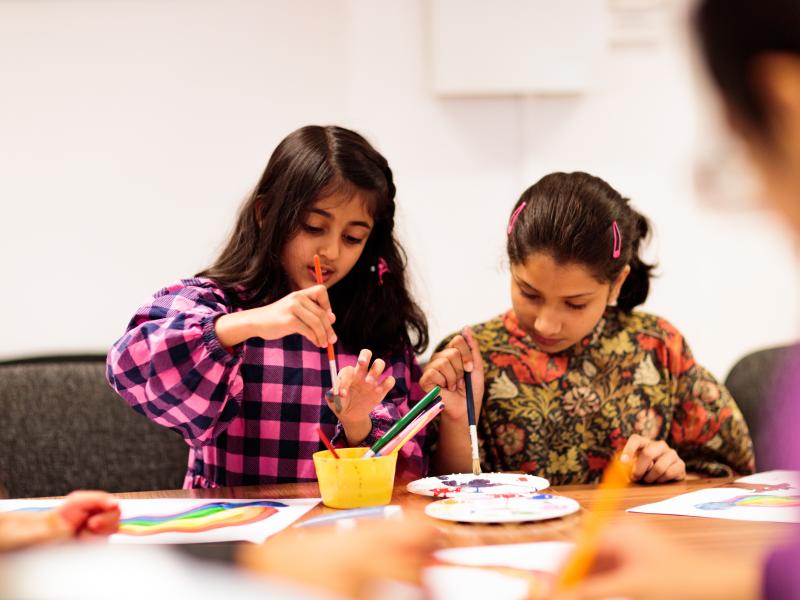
(352, 481)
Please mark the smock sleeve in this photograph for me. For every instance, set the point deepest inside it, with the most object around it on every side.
(708, 430)
(170, 366)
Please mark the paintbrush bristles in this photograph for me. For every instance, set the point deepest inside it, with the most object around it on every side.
(476, 466)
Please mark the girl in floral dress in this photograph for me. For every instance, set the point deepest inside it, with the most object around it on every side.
(572, 373)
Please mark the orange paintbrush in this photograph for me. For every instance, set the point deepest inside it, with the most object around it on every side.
(331, 356)
(609, 494)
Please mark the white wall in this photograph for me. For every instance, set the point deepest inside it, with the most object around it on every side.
(131, 130)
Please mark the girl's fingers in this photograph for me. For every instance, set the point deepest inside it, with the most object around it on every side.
(459, 344)
(430, 378)
(631, 455)
(362, 365)
(305, 315)
(306, 331)
(456, 360)
(475, 351)
(643, 465)
(675, 472)
(385, 387)
(346, 375)
(345, 379)
(632, 447)
(320, 321)
(343, 402)
(319, 294)
(445, 367)
(648, 455)
(375, 371)
(104, 523)
(660, 466)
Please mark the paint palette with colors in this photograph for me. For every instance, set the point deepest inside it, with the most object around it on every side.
(493, 509)
(487, 484)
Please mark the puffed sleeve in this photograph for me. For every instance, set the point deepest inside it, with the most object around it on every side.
(708, 430)
(170, 366)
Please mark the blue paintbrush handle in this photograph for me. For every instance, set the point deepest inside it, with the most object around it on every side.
(356, 513)
(470, 398)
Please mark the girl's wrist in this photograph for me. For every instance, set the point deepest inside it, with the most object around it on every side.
(57, 527)
(233, 328)
(356, 430)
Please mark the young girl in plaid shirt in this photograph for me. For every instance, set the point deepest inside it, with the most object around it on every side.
(235, 358)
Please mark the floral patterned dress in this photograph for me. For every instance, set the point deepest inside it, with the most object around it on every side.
(561, 416)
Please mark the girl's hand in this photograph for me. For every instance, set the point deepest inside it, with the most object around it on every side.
(653, 462)
(638, 562)
(307, 312)
(82, 514)
(86, 513)
(360, 392)
(446, 369)
(342, 562)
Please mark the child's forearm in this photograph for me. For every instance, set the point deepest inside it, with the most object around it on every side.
(20, 530)
(453, 451)
(234, 328)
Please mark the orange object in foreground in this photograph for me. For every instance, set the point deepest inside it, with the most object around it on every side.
(609, 494)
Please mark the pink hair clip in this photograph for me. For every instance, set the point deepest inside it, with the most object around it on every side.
(617, 240)
(382, 269)
(514, 217)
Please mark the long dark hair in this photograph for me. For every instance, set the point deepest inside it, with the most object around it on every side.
(310, 163)
(733, 33)
(571, 216)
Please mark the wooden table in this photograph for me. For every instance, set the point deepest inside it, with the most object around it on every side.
(744, 538)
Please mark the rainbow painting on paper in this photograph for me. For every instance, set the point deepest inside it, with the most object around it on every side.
(759, 500)
(770, 496)
(204, 517)
(193, 520)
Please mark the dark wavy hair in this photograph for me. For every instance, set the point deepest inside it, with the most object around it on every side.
(310, 163)
(733, 34)
(570, 216)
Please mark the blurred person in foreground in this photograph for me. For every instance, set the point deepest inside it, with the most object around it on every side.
(752, 51)
(48, 554)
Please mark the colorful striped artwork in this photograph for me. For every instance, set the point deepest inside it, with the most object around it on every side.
(205, 517)
(771, 496)
(752, 500)
(192, 520)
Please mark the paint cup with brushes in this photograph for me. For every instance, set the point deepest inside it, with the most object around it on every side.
(352, 481)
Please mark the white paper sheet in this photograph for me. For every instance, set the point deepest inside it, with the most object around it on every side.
(502, 572)
(188, 521)
(457, 583)
(770, 496)
(535, 556)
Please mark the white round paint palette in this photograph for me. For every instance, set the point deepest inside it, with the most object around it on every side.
(493, 509)
(485, 485)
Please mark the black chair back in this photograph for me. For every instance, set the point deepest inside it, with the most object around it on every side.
(751, 382)
(64, 428)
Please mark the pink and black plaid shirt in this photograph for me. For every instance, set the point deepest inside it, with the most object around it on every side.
(250, 417)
